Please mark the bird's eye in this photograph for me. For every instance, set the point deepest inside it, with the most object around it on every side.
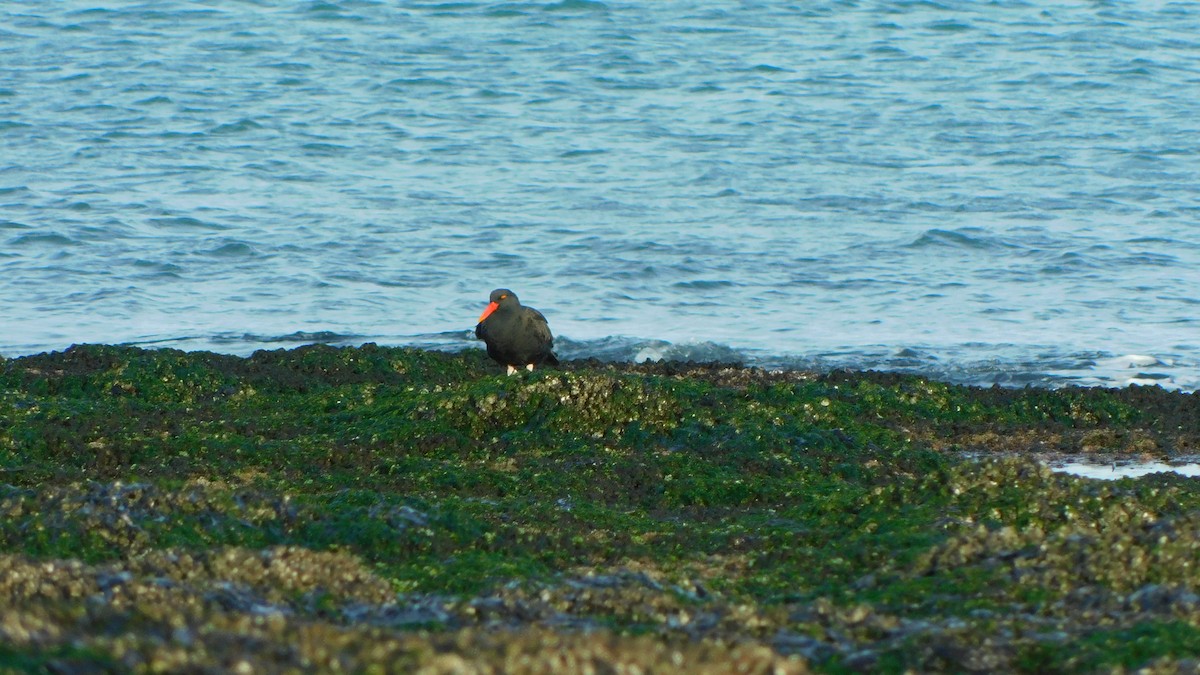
(503, 297)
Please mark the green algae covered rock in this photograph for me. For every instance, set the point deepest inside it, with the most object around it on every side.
(394, 510)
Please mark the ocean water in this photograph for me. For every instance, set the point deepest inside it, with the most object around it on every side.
(987, 192)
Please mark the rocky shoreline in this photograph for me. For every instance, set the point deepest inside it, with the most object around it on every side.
(392, 510)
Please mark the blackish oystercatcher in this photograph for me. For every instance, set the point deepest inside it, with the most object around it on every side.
(515, 335)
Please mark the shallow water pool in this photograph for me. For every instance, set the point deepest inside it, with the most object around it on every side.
(1124, 469)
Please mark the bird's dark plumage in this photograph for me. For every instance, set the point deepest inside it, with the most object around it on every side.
(516, 336)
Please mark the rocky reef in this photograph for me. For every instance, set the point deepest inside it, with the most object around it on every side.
(392, 510)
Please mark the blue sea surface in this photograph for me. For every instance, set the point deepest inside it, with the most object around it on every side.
(986, 192)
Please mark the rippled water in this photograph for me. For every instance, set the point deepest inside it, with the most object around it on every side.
(985, 192)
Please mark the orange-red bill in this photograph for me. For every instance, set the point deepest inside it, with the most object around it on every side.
(487, 312)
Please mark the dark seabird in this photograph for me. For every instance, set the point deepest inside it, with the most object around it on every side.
(515, 335)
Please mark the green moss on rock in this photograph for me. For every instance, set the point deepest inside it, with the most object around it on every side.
(381, 508)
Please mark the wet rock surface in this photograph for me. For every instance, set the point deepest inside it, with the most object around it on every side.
(393, 510)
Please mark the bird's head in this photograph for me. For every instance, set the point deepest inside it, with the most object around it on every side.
(501, 297)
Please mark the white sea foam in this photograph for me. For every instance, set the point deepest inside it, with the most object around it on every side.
(1129, 361)
(1125, 469)
(655, 353)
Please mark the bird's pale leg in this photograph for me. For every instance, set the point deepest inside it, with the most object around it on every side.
(529, 367)
(511, 370)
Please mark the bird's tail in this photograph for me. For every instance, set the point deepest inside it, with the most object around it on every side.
(551, 359)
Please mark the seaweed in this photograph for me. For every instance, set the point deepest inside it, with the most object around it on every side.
(386, 508)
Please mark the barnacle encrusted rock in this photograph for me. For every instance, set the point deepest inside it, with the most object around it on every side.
(395, 510)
